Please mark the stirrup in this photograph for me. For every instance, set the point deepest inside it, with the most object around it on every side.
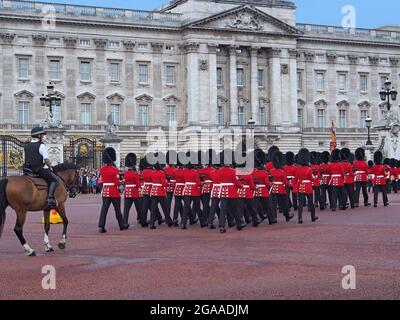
(52, 203)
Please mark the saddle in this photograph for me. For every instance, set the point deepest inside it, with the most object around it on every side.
(39, 183)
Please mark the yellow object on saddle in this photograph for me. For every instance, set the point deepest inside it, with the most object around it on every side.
(54, 217)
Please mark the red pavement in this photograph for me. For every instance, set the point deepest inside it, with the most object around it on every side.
(285, 261)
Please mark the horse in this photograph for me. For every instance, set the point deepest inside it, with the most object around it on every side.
(24, 193)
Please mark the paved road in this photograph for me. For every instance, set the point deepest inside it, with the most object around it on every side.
(286, 261)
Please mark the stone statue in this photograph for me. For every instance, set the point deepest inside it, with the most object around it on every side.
(244, 21)
(111, 128)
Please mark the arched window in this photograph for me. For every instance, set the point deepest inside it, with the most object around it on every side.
(364, 107)
(321, 106)
(343, 107)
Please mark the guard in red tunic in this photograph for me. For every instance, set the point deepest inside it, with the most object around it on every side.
(191, 196)
(158, 196)
(263, 185)
(304, 179)
(169, 174)
(345, 156)
(279, 185)
(132, 193)
(205, 177)
(215, 196)
(386, 163)
(324, 170)
(110, 192)
(315, 162)
(229, 192)
(179, 177)
(360, 168)
(379, 172)
(290, 170)
(393, 175)
(337, 181)
(146, 171)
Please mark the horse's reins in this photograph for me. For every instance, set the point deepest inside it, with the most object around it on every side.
(66, 185)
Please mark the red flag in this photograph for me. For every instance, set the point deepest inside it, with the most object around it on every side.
(333, 142)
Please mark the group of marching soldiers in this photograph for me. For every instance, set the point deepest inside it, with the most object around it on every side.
(201, 191)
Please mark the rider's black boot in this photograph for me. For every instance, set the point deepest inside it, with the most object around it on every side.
(51, 201)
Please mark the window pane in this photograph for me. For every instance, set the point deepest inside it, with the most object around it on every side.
(143, 73)
(241, 116)
(299, 81)
(220, 115)
(364, 83)
(342, 82)
(342, 119)
(219, 76)
(170, 75)
(143, 115)
(321, 118)
(260, 78)
(86, 116)
(320, 81)
(54, 70)
(116, 113)
(23, 112)
(262, 119)
(85, 71)
(114, 72)
(364, 116)
(300, 117)
(240, 77)
(171, 115)
(23, 68)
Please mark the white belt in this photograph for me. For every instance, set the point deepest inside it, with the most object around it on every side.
(359, 172)
(157, 185)
(326, 175)
(180, 184)
(108, 184)
(208, 181)
(260, 186)
(227, 184)
(190, 183)
(245, 187)
(380, 176)
(306, 181)
(290, 177)
(336, 175)
(277, 183)
(148, 183)
(130, 185)
(172, 180)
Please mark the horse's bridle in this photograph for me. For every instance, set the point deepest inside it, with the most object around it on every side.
(72, 189)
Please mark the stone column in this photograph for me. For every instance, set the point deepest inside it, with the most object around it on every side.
(158, 112)
(38, 71)
(212, 51)
(192, 82)
(55, 145)
(233, 92)
(293, 86)
(129, 103)
(275, 85)
(72, 71)
(254, 84)
(99, 83)
(8, 79)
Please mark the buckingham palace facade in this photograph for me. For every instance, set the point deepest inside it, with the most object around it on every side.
(193, 63)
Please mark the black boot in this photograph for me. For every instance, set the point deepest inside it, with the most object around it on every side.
(51, 201)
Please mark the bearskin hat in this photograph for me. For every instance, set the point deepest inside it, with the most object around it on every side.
(303, 157)
(345, 154)
(370, 163)
(325, 156)
(314, 157)
(393, 163)
(259, 158)
(278, 160)
(335, 155)
(289, 158)
(386, 162)
(271, 151)
(109, 155)
(130, 160)
(351, 158)
(360, 154)
(378, 157)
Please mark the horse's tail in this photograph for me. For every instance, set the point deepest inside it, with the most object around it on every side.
(3, 204)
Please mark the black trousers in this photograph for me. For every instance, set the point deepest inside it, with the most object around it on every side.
(205, 200)
(47, 175)
(349, 193)
(147, 206)
(279, 199)
(229, 206)
(338, 196)
(247, 209)
(155, 201)
(128, 202)
(361, 185)
(116, 202)
(311, 207)
(395, 186)
(170, 196)
(317, 196)
(293, 201)
(383, 190)
(178, 208)
(264, 209)
(214, 209)
(325, 195)
(196, 210)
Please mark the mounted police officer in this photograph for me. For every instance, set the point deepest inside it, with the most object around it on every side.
(37, 161)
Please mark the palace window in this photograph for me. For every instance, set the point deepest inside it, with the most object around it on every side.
(171, 115)
(143, 115)
(114, 72)
(219, 77)
(170, 75)
(342, 81)
(220, 116)
(261, 115)
(84, 42)
(240, 77)
(321, 118)
(300, 117)
(23, 112)
(143, 73)
(23, 68)
(384, 78)
(116, 113)
(260, 78)
(241, 116)
(85, 71)
(114, 44)
(169, 48)
(299, 81)
(57, 113)
(54, 70)
(363, 82)
(342, 119)
(86, 113)
(363, 117)
(142, 46)
(320, 81)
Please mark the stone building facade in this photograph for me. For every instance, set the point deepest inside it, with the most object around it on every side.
(194, 64)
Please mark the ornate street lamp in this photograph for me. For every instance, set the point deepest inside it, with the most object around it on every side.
(50, 101)
(388, 93)
(368, 122)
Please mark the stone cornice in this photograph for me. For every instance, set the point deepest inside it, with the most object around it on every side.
(129, 44)
(331, 57)
(374, 60)
(7, 37)
(191, 47)
(39, 39)
(100, 43)
(157, 46)
(309, 56)
(394, 61)
(70, 42)
(275, 53)
(212, 48)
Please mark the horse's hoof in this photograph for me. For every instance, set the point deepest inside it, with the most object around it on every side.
(49, 249)
(32, 254)
(61, 246)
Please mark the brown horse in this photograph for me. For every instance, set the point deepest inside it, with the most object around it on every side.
(23, 194)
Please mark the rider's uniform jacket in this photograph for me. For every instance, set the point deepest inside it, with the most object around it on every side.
(35, 153)
(111, 181)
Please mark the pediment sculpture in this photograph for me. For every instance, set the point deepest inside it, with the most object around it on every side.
(245, 21)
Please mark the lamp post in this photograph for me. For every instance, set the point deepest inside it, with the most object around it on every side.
(388, 93)
(50, 100)
(368, 122)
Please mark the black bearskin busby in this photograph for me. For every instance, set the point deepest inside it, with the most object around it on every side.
(130, 160)
(259, 158)
(303, 157)
(271, 152)
(360, 154)
(345, 154)
(109, 155)
(289, 158)
(325, 157)
(278, 160)
(378, 157)
(335, 155)
(314, 158)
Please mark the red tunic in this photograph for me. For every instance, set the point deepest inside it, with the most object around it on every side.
(179, 176)
(290, 175)
(393, 174)
(109, 175)
(325, 172)
(229, 183)
(205, 176)
(248, 186)
(192, 183)
(348, 173)
(169, 174)
(316, 175)
(269, 166)
(216, 182)
(337, 174)
(279, 181)
(159, 184)
(132, 185)
(360, 169)
(147, 181)
(304, 179)
(261, 179)
(379, 175)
